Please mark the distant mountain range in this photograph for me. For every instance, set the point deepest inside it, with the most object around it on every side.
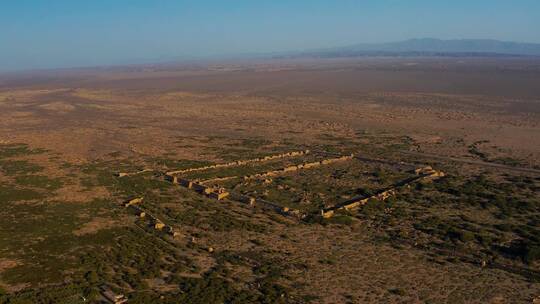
(427, 47)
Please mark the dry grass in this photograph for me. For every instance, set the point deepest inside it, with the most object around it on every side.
(169, 119)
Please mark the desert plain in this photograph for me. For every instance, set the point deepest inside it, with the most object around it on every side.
(470, 236)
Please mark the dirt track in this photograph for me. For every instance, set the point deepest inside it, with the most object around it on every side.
(472, 162)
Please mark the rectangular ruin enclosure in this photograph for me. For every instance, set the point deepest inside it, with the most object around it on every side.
(308, 189)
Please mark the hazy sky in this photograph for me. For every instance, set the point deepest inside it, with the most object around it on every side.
(65, 33)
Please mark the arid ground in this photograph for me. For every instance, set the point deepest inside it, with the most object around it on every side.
(472, 236)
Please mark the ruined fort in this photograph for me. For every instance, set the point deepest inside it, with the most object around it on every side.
(210, 189)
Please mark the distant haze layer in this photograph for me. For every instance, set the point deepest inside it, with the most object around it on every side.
(41, 34)
(435, 47)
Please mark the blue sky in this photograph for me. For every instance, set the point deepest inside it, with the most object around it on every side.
(66, 33)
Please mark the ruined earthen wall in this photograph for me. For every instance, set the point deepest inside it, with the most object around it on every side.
(242, 162)
(156, 222)
(301, 166)
(425, 173)
(268, 205)
(122, 174)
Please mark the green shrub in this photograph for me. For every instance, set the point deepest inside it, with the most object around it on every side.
(484, 239)
(15, 167)
(39, 181)
(532, 253)
(11, 194)
(339, 220)
(92, 277)
(17, 150)
(398, 291)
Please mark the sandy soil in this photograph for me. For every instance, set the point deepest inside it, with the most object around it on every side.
(442, 106)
